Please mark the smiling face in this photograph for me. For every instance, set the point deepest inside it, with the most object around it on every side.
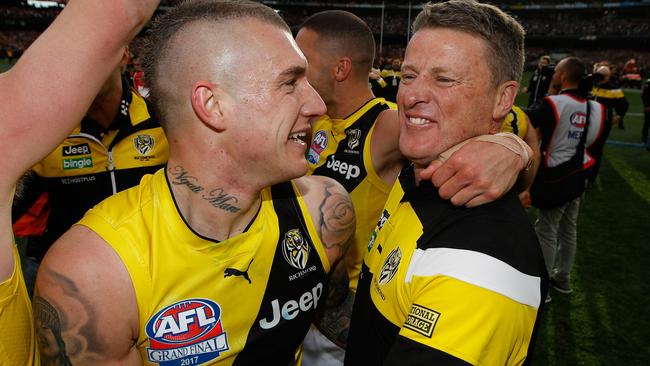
(270, 103)
(446, 95)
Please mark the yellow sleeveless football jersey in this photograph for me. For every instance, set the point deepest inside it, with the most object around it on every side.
(516, 122)
(17, 337)
(248, 300)
(340, 149)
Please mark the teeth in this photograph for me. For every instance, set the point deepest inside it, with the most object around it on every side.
(418, 121)
(298, 136)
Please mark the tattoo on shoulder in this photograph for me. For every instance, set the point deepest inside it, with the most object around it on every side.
(336, 219)
(217, 197)
(67, 334)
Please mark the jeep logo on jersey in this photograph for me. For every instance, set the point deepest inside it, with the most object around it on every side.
(291, 308)
(75, 150)
(143, 143)
(353, 138)
(390, 266)
(578, 119)
(318, 144)
(348, 170)
(188, 332)
(295, 249)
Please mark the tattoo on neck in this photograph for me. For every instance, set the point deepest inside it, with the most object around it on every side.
(182, 177)
(220, 199)
(216, 197)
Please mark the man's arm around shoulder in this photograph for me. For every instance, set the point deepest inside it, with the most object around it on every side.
(85, 310)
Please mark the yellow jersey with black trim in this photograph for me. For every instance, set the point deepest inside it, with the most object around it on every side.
(340, 149)
(248, 300)
(17, 337)
(93, 163)
(447, 285)
(516, 122)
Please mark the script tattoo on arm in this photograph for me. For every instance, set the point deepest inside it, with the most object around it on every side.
(334, 320)
(64, 336)
(337, 222)
(216, 197)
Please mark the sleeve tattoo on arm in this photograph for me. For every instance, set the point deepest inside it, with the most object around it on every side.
(334, 321)
(336, 220)
(62, 337)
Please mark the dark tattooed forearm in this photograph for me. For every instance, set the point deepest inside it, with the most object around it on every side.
(216, 197)
(64, 336)
(334, 321)
(336, 219)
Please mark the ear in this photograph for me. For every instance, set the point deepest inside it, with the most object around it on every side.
(505, 98)
(343, 69)
(126, 56)
(206, 104)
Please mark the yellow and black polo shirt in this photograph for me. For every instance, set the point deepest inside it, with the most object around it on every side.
(93, 163)
(447, 285)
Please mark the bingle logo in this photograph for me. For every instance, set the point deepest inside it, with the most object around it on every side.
(188, 332)
(295, 249)
(382, 220)
(348, 170)
(76, 150)
(291, 308)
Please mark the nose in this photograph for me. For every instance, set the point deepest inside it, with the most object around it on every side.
(410, 95)
(314, 105)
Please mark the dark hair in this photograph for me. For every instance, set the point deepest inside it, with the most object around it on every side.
(574, 69)
(346, 33)
(503, 35)
(163, 29)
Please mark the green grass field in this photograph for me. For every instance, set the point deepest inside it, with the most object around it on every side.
(604, 321)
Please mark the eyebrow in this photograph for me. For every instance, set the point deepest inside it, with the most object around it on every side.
(292, 72)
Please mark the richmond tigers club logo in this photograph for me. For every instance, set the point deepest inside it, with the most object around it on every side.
(353, 138)
(390, 266)
(295, 249)
(144, 144)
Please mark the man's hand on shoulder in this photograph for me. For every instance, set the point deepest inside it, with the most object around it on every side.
(475, 172)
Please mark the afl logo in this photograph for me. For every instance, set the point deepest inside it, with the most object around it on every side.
(390, 266)
(188, 332)
(144, 144)
(578, 119)
(295, 249)
(318, 144)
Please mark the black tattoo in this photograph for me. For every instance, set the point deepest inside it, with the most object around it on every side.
(182, 177)
(48, 328)
(337, 219)
(216, 197)
(64, 336)
(334, 320)
(219, 199)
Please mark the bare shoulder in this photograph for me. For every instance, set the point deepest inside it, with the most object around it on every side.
(83, 286)
(331, 211)
(384, 146)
